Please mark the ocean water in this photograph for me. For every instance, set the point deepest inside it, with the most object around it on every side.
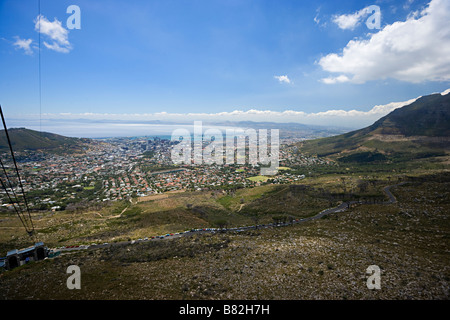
(100, 129)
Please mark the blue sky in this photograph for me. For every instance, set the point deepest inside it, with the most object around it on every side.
(165, 59)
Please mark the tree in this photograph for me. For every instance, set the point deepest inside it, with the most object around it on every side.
(343, 184)
(279, 219)
(255, 218)
(363, 185)
(221, 224)
(291, 219)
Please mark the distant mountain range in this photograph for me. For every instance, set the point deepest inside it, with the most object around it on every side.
(25, 139)
(421, 129)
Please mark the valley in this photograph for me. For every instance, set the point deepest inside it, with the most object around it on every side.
(140, 227)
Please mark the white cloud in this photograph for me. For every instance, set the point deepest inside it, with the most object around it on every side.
(349, 21)
(316, 19)
(333, 117)
(58, 35)
(56, 47)
(282, 79)
(446, 92)
(407, 4)
(415, 50)
(24, 44)
(333, 80)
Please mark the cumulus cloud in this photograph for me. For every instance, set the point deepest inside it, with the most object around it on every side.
(283, 79)
(24, 44)
(58, 35)
(415, 50)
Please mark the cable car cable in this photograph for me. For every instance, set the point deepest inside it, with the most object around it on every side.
(13, 204)
(17, 169)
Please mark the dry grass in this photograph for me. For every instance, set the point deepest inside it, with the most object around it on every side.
(321, 259)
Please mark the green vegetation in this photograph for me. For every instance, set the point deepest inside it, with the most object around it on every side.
(148, 154)
(259, 178)
(419, 130)
(321, 259)
(325, 258)
(155, 168)
(363, 157)
(427, 116)
(26, 139)
(234, 199)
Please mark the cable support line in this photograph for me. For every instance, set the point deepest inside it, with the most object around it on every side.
(17, 169)
(10, 186)
(14, 206)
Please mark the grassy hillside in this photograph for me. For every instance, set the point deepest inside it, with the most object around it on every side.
(418, 130)
(428, 116)
(26, 139)
(320, 259)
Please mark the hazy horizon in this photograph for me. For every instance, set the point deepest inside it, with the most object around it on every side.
(94, 125)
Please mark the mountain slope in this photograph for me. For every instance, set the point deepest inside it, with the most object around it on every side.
(25, 139)
(420, 129)
(427, 116)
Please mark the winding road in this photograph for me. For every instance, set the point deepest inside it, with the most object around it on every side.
(340, 208)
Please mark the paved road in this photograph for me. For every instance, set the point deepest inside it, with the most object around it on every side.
(387, 190)
(340, 208)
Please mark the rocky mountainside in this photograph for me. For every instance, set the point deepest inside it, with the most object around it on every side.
(420, 129)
